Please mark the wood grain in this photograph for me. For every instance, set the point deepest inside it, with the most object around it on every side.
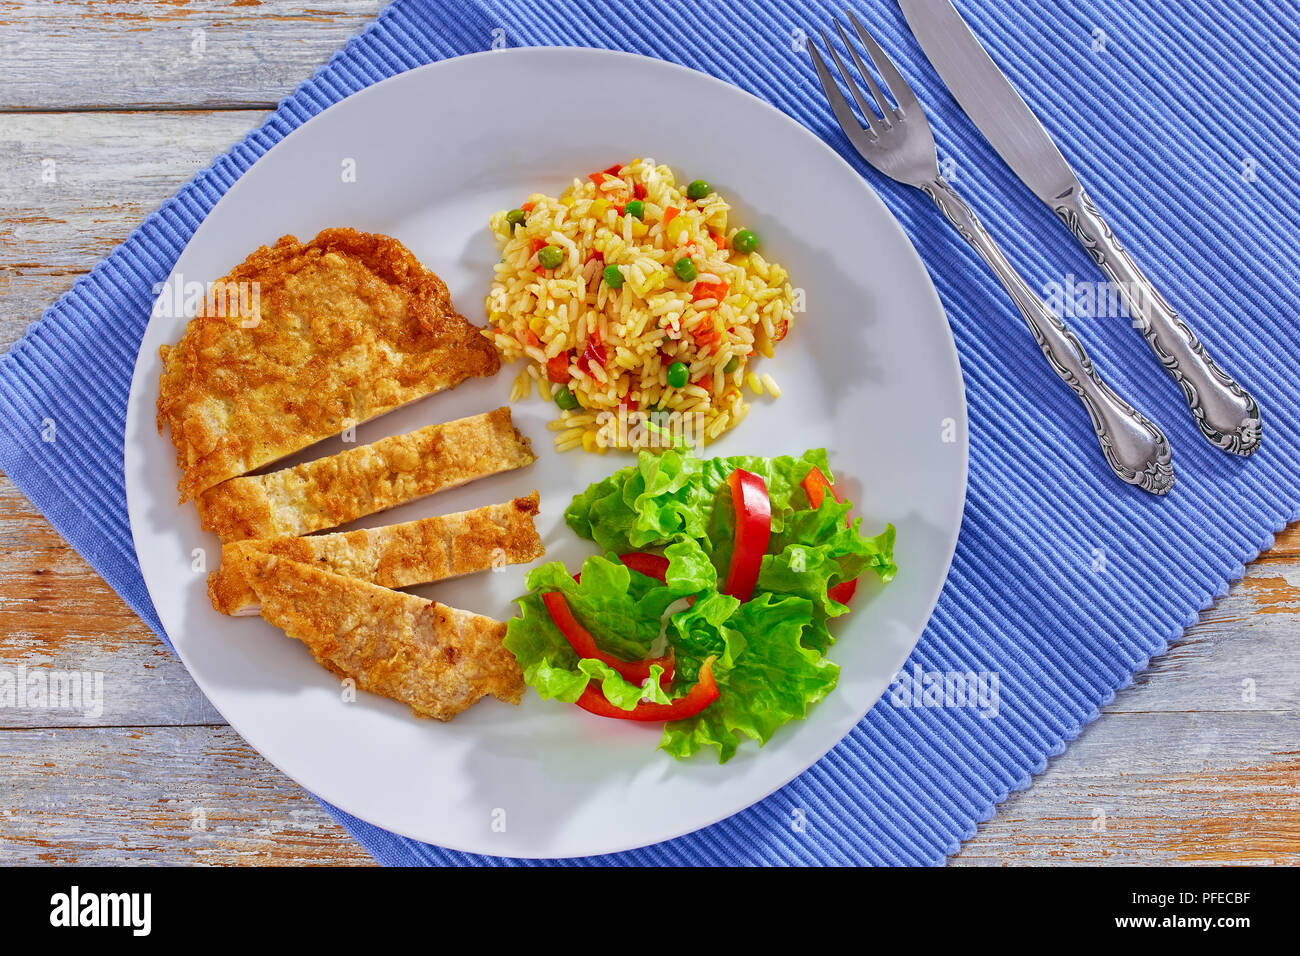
(1195, 762)
(195, 794)
(173, 54)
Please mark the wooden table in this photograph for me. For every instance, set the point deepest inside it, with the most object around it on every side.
(1197, 762)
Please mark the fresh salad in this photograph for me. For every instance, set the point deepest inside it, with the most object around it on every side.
(749, 558)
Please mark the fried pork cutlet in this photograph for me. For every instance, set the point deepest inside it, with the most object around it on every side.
(302, 341)
(437, 659)
(394, 556)
(328, 492)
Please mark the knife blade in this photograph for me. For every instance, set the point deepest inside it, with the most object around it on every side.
(1225, 413)
(989, 99)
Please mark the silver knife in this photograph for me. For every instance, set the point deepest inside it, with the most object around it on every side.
(1225, 413)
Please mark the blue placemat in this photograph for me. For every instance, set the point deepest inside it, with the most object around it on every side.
(1180, 119)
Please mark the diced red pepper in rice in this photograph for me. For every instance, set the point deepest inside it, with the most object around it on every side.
(638, 190)
(557, 368)
(710, 290)
(594, 352)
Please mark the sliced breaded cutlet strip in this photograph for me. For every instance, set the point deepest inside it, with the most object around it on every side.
(394, 556)
(328, 492)
(302, 340)
(436, 659)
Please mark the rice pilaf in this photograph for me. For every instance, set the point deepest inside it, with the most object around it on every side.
(633, 299)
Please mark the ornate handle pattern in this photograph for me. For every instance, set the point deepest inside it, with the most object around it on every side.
(1135, 448)
(1225, 413)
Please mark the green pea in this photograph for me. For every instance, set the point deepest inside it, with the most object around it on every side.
(549, 257)
(516, 217)
(636, 209)
(566, 399)
(744, 241)
(732, 365)
(698, 189)
(685, 269)
(613, 277)
(678, 375)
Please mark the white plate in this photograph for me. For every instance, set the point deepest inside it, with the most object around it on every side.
(871, 373)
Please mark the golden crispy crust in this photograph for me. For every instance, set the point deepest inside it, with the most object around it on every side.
(345, 328)
(395, 556)
(328, 492)
(437, 659)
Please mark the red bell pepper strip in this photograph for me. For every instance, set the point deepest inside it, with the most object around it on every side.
(557, 368)
(816, 485)
(844, 591)
(704, 693)
(584, 645)
(651, 565)
(638, 190)
(753, 529)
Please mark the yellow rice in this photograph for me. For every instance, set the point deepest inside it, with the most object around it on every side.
(653, 321)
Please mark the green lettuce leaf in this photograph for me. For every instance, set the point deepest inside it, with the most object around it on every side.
(838, 553)
(766, 676)
(621, 609)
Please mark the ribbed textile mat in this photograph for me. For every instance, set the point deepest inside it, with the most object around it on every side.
(1180, 119)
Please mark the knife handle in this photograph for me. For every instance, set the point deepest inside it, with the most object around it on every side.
(1225, 413)
(1135, 448)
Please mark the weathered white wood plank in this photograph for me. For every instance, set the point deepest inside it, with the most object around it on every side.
(92, 54)
(1137, 787)
(74, 185)
(192, 795)
(56, 614)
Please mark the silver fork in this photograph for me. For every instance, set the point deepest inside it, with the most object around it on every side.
(899, 143)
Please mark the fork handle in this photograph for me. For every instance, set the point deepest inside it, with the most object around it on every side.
(1225, 413)
(1135, 448)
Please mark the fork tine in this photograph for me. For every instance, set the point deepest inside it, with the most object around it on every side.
(839, 105)
(868, 114)
(894, 82)
(881, 102)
